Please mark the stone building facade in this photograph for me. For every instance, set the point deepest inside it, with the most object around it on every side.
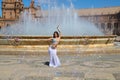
(12, 9)
(107, 19)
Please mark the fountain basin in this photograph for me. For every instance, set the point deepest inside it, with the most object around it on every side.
(72, 44)
(66, 40)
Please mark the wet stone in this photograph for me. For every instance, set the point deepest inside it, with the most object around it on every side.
(70, 74)
(37, 78)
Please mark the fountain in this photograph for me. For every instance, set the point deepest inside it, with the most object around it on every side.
(30, 34)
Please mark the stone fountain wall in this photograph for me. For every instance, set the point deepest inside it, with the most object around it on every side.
(65, 40)
(40, 44)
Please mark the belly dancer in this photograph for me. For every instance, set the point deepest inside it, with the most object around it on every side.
(54, 60)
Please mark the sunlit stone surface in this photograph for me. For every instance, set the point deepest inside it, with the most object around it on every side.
(74, 67)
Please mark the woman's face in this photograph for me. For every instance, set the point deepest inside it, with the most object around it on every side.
(55, 34)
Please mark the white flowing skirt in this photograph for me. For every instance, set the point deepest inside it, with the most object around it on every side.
(54, 60)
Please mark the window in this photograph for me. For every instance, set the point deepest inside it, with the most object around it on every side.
(4, 5)
(7, 25)
(118, 16)
(4, 12)
(96, 18)
(119, 27)
(115, 17)
(22, 7)
(10, 13)
(109, 17)
(116, 30)
(103, 26)
(116, 25)
(17, 5)
(109, 26)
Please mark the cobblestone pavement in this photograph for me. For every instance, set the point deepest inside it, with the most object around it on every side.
(74, 67)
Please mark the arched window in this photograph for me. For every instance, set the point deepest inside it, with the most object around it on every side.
(4, 12)
(109, 26)
(8, 25)
(96, 24)
(4, 5)
(17, 5)
(103, 26)
(116, 30)
(116, 25)
(22, 7)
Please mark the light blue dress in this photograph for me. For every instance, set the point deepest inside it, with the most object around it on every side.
(54, 60)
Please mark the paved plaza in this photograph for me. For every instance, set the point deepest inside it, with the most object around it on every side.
(74, 67)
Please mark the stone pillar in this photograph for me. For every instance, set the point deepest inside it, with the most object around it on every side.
(119, 28)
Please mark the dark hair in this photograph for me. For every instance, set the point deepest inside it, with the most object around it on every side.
(56, 33)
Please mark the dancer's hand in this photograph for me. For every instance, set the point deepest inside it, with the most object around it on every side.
(59, 31)
(58, 28)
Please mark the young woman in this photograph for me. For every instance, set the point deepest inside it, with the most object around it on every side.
(54, 60)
